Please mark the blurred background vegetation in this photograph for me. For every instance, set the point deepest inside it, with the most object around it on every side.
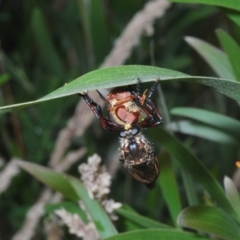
(45, 44)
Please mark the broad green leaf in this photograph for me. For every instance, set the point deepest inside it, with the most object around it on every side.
(203, 131)
(126, 75)
(169, 186)
(218, 121)
(215, 57)
(156, 234)
(142, 221)
(232, 50)
(232, 4)
(193, 166)
(54, 180)
(211, 220)
(232, 194)
(98, 215)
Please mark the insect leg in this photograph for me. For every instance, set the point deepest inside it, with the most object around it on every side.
(106, 122)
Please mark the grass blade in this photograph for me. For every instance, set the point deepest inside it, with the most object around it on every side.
(216, 120)
(54, 180)
(169, 187)
(203, 131)
(210, 220)
(232, 50)
(99, 216)
(232, 4)
(156, 234)
(215, 58)
(193, 166)
(142, 221)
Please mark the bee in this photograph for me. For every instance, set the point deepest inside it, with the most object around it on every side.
(130, 111)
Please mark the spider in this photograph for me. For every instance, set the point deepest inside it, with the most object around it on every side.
(129, 111)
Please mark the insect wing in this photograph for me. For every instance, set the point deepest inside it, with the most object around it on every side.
(146, 172)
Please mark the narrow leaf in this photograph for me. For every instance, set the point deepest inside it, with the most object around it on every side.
(233, 15)
(142, 221)
(70, 207)
(156, 234)
(45, 44)
(194, 167)
(203, 131)
(126, 75)
(4, 78)
(210, 220)
(73, 189)
(215, 57)
(54, 180)
(17, 73)
(99, 216)
(169, 186)
(218, 121)
(232, 4)
(232, 50)
(190, 188)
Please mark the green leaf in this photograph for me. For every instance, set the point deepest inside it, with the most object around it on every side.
(232, 194)
(126, 75)
(232, 50)
(55, 180)
(169, 186)
(216, 120)
(215, 57)
(203, 131)
(142, 221)
(84, 10)
(210, 220)
(193, 166)
(4, 78)
(99, 216)
(156, 234)
(45, 44)
(233, 15)
(73, 189)
(232, 4)
(100, 32)
(190, 188)
(17, 73)
(69, 207)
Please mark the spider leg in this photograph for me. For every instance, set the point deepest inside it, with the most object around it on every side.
(153, 89)
(153, 116)
(106, 122)
(103, 98)
(139, 88)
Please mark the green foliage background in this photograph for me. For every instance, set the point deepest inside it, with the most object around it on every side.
(45, 44)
